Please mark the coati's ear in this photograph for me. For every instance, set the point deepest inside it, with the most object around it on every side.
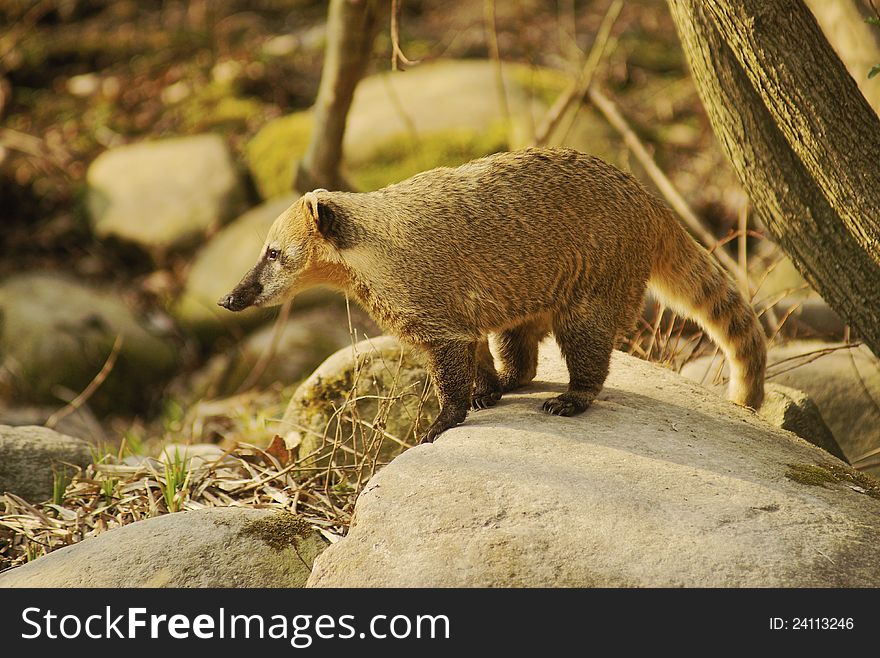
(325, 218)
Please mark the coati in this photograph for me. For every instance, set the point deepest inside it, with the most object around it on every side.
(517, 245)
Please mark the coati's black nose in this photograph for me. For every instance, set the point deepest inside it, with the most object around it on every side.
(242, 296)
(227, 302)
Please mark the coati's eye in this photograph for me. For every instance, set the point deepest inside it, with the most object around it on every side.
(272, 254)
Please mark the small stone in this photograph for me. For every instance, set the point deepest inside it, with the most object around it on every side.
(30, 457)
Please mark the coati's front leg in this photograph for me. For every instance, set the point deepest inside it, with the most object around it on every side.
(586, 345)
(487, 387)
(451, 365)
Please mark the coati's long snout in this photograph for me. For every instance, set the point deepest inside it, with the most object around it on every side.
(244, 295)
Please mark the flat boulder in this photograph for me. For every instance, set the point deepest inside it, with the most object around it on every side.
(30, 457)
(661, 483)
(163, 194)
(212, 547)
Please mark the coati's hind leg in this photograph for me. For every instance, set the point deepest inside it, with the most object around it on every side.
(487, 386)
(586, 339)
(518, 352)
(451, 367)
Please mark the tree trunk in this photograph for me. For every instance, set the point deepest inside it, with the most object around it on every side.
(801, 137)
(351, 28)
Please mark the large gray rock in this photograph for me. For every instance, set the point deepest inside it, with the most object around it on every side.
(163, 194)
(844, 384)
(56, 334)
(30, 457)
(213, 547)
(219, 266)
(374, 383)
(660, 483)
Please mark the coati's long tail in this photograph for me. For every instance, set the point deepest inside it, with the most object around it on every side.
(689, 280)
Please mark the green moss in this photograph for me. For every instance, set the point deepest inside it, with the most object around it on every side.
(817, 476)
(327, 393)
(216, 105)
(405, 155)
(810, 474)
(279, 531)
(272, 153)
(541, 83)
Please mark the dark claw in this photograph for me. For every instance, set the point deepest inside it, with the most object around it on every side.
(560, 407)
(443, 422)
(428, 437)
(485, 400)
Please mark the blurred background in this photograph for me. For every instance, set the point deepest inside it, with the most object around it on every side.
(146, 147)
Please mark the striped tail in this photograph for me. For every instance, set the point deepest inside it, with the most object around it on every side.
(687, 279)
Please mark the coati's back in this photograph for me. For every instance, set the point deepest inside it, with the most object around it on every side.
(520, 231)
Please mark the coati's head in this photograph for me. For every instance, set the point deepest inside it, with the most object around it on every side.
(294, 256)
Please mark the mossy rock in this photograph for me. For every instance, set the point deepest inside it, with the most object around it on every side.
(273, 152)
(378, 381)
(440, 114)
(212, 547)
(404, 155)
(56, 335)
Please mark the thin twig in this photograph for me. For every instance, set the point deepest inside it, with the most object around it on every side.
(397, 56)
(269, 353)
(577, 90)
(742, 248)
(89, 390)
(495, 54)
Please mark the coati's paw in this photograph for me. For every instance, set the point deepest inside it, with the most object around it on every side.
(442, 423)
(430, 434)
(567, 404)
(485, 399)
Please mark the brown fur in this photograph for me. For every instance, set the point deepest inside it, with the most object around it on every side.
(515, 245)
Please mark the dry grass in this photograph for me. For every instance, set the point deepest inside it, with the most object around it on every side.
(113, 493)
